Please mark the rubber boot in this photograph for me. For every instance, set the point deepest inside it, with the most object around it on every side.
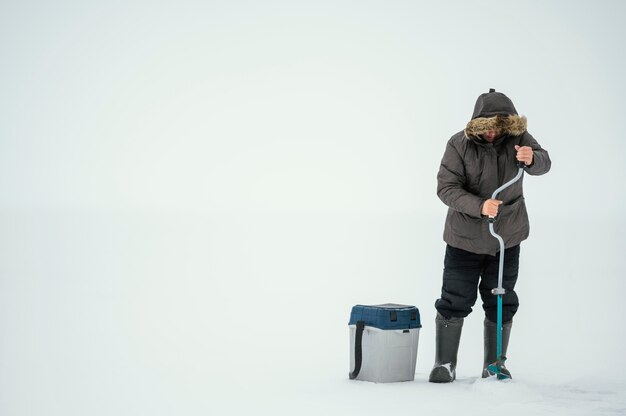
(446, 349)
(491, 346)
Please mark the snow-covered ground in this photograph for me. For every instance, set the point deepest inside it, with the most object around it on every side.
(530, 394)
(193, 195)
(144, 314)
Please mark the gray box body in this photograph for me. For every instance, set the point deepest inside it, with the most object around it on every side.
(389, 355)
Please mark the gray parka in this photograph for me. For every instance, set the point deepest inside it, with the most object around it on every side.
(472, 168)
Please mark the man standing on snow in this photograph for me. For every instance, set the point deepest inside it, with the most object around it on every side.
(475, 163)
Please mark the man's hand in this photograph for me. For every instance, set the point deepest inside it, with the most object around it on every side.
(524, 154)
(490, 207)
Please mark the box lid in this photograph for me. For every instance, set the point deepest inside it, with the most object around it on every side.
(386, 316)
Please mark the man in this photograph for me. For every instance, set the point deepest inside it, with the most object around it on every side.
(476, 162)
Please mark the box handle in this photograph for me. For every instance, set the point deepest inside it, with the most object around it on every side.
(358, 350)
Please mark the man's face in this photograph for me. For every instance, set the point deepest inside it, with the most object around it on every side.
(491, 135)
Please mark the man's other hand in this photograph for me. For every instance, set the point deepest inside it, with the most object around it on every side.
(490, 207)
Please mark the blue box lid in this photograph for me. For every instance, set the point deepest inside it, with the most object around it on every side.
(386, 316)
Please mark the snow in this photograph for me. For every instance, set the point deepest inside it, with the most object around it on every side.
(447, 366)
(193, 195)
(476, 396)
(125, 314)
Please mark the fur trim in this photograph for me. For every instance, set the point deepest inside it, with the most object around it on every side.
(513, 125)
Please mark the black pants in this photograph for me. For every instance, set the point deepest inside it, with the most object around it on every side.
(461, 275)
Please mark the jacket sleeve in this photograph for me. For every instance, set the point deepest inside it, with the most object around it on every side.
(541, 159)
(450, 184)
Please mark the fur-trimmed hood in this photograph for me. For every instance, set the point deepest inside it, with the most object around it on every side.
(513, 125)
(495, 111)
